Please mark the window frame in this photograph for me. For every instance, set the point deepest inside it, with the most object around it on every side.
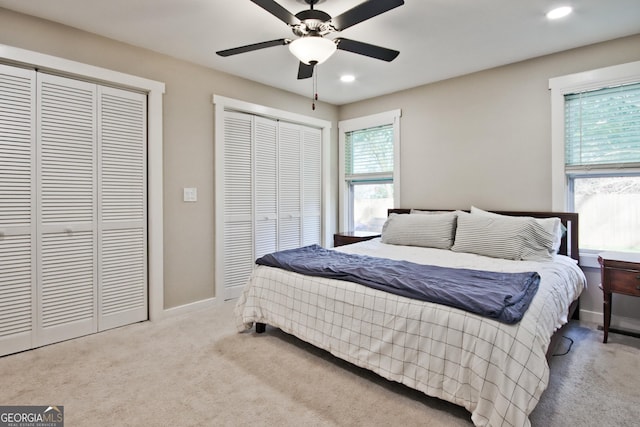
(560, 178)
(345, 204)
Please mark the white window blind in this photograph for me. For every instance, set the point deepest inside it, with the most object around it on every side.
(369, 153)
(602, 128)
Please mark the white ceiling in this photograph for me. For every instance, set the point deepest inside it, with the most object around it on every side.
(437, 39)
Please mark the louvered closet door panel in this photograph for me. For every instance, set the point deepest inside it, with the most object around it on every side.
(122, 139)
(266, 186)
(238, 256)
(311, 186)
(289, 187)
(17, 209)
(67, 216)
(67, 305)
(16, 293)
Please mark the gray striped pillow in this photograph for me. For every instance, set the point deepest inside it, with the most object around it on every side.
(516, 238)
(552, 225)
(431, 231)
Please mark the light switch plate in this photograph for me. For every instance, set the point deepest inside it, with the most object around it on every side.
(190, 194)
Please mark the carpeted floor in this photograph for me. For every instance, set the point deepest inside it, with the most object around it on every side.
(195, 370)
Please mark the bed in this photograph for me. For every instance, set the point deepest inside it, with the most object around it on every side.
(496, 370)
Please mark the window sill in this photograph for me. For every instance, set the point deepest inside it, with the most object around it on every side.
(589, 259)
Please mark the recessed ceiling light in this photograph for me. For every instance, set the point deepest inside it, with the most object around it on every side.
(559, 12)
(347, 78)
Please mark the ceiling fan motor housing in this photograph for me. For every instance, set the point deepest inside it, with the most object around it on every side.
(313, 21)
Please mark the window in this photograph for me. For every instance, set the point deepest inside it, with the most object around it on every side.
(602, 163)
(369, 157)
(601, 156)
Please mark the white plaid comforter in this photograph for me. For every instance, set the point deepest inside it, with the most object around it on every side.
(496, 371)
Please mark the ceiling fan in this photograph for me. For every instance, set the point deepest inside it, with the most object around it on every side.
(312, 25)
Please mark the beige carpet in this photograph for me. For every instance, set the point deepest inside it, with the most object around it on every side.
(194, 370)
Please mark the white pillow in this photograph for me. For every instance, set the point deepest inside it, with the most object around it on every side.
(500, 236)
(553, 225)
(431, 231)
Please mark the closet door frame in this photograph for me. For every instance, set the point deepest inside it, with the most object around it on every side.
(223, 104)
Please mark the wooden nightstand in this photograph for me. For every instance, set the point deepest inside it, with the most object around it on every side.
(348, 237)
(620, 274)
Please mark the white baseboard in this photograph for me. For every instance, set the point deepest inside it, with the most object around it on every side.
(191, 307)
(617, 322)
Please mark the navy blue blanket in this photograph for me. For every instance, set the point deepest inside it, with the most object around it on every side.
(501, 296)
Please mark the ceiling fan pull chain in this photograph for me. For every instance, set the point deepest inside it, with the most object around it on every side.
(314, 88)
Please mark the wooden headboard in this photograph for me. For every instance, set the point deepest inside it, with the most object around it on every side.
(569, 245)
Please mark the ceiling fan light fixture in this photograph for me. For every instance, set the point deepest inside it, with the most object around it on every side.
(312, 49)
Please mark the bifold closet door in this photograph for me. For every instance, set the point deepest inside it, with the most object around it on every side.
(266, 186)
(122, 207)
(17, 209)
(92, 251)
(300, 185)
(272, 192)
(73, 233)
(238, 257)
(67, 215)
(289, 186)
(311, 186)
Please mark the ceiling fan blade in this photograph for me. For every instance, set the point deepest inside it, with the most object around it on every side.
(364, 11)
(254, 46)
(367, 49)
(278, 11)
(305, 71)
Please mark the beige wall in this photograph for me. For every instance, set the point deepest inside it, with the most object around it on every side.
(485, 139)
(188, 136)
